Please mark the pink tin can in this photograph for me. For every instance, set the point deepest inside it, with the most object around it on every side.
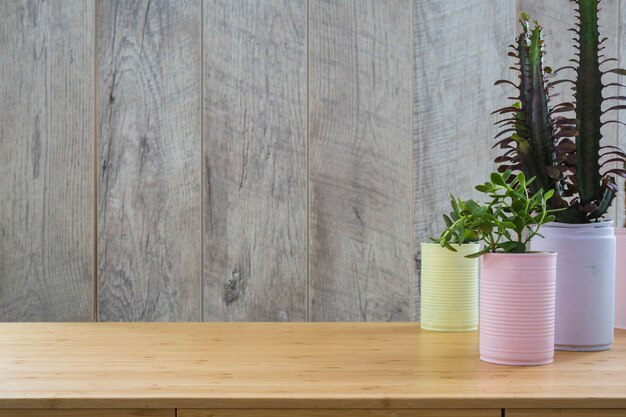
(517, 308)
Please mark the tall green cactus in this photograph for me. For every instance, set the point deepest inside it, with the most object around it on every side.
(539, 145)
(542, 144)
(596, 188)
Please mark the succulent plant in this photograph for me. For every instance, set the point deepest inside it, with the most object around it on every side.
(510, 219)
(456, 232)
(561, 150)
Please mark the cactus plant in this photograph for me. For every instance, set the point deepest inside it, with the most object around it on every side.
(564, 152)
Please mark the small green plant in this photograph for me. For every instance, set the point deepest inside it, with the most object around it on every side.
(511, 218)
(458, 234)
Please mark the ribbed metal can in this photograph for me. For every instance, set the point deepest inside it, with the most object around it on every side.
(517, 308)
(620, 278)
(585, 283)
(449, 288)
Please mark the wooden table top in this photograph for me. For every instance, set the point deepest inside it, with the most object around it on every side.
(286, 365)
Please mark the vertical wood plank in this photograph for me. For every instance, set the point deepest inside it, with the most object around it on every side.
(621, 129)
(459, 51)
(255, 175)
(360, 73)
(558, 16)
(149, 193)
(46, 161)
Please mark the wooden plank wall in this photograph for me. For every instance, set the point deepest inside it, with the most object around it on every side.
(246, 160)
(46, 161)
(148, 172)
(254, 161)
(360, 160)
(621, 53)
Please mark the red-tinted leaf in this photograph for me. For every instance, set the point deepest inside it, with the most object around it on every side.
(565, 133)
(590, 207)
(553, 83)
(506, 110)
(505, 82)
(563, 68)
(611, 147)
(502, 158)
(608, 60)
(613, 121)
(617, 171)
(608, 161)
(504, 132)
(619, 71)
(619, 107)
(553, 172)
(565, 146)
(618, 153)
(568, 120)
(503, 143)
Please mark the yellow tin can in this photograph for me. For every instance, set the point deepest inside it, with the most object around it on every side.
(449, 288)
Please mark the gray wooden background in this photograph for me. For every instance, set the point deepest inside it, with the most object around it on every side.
(245, 160)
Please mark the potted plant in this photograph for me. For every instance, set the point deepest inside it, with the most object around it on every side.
(449, 280)
(566, 154)
(517, 288)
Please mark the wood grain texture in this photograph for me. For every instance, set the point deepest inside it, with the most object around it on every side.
(328, 366)
(557, 17)
(88, 413)
(149, 141)
(338, 413)
(46, 161)
(360, 160)
(458, 57)
(255, 178)
(565, 413)
(621, 129)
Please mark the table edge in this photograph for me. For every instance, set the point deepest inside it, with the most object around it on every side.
(315, 403)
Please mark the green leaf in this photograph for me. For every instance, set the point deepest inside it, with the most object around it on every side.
(497, 179)
(518, 206)
(485, 228)
(513, 247)
(509, 225)
(455, 207)
(478, 254)
(450, 247)
(472, 206)
(470, 236)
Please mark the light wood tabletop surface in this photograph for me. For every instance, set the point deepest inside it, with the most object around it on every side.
(286, 365)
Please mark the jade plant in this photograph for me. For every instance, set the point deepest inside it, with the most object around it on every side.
(561, 145)
(456, 232)
(506, 223)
